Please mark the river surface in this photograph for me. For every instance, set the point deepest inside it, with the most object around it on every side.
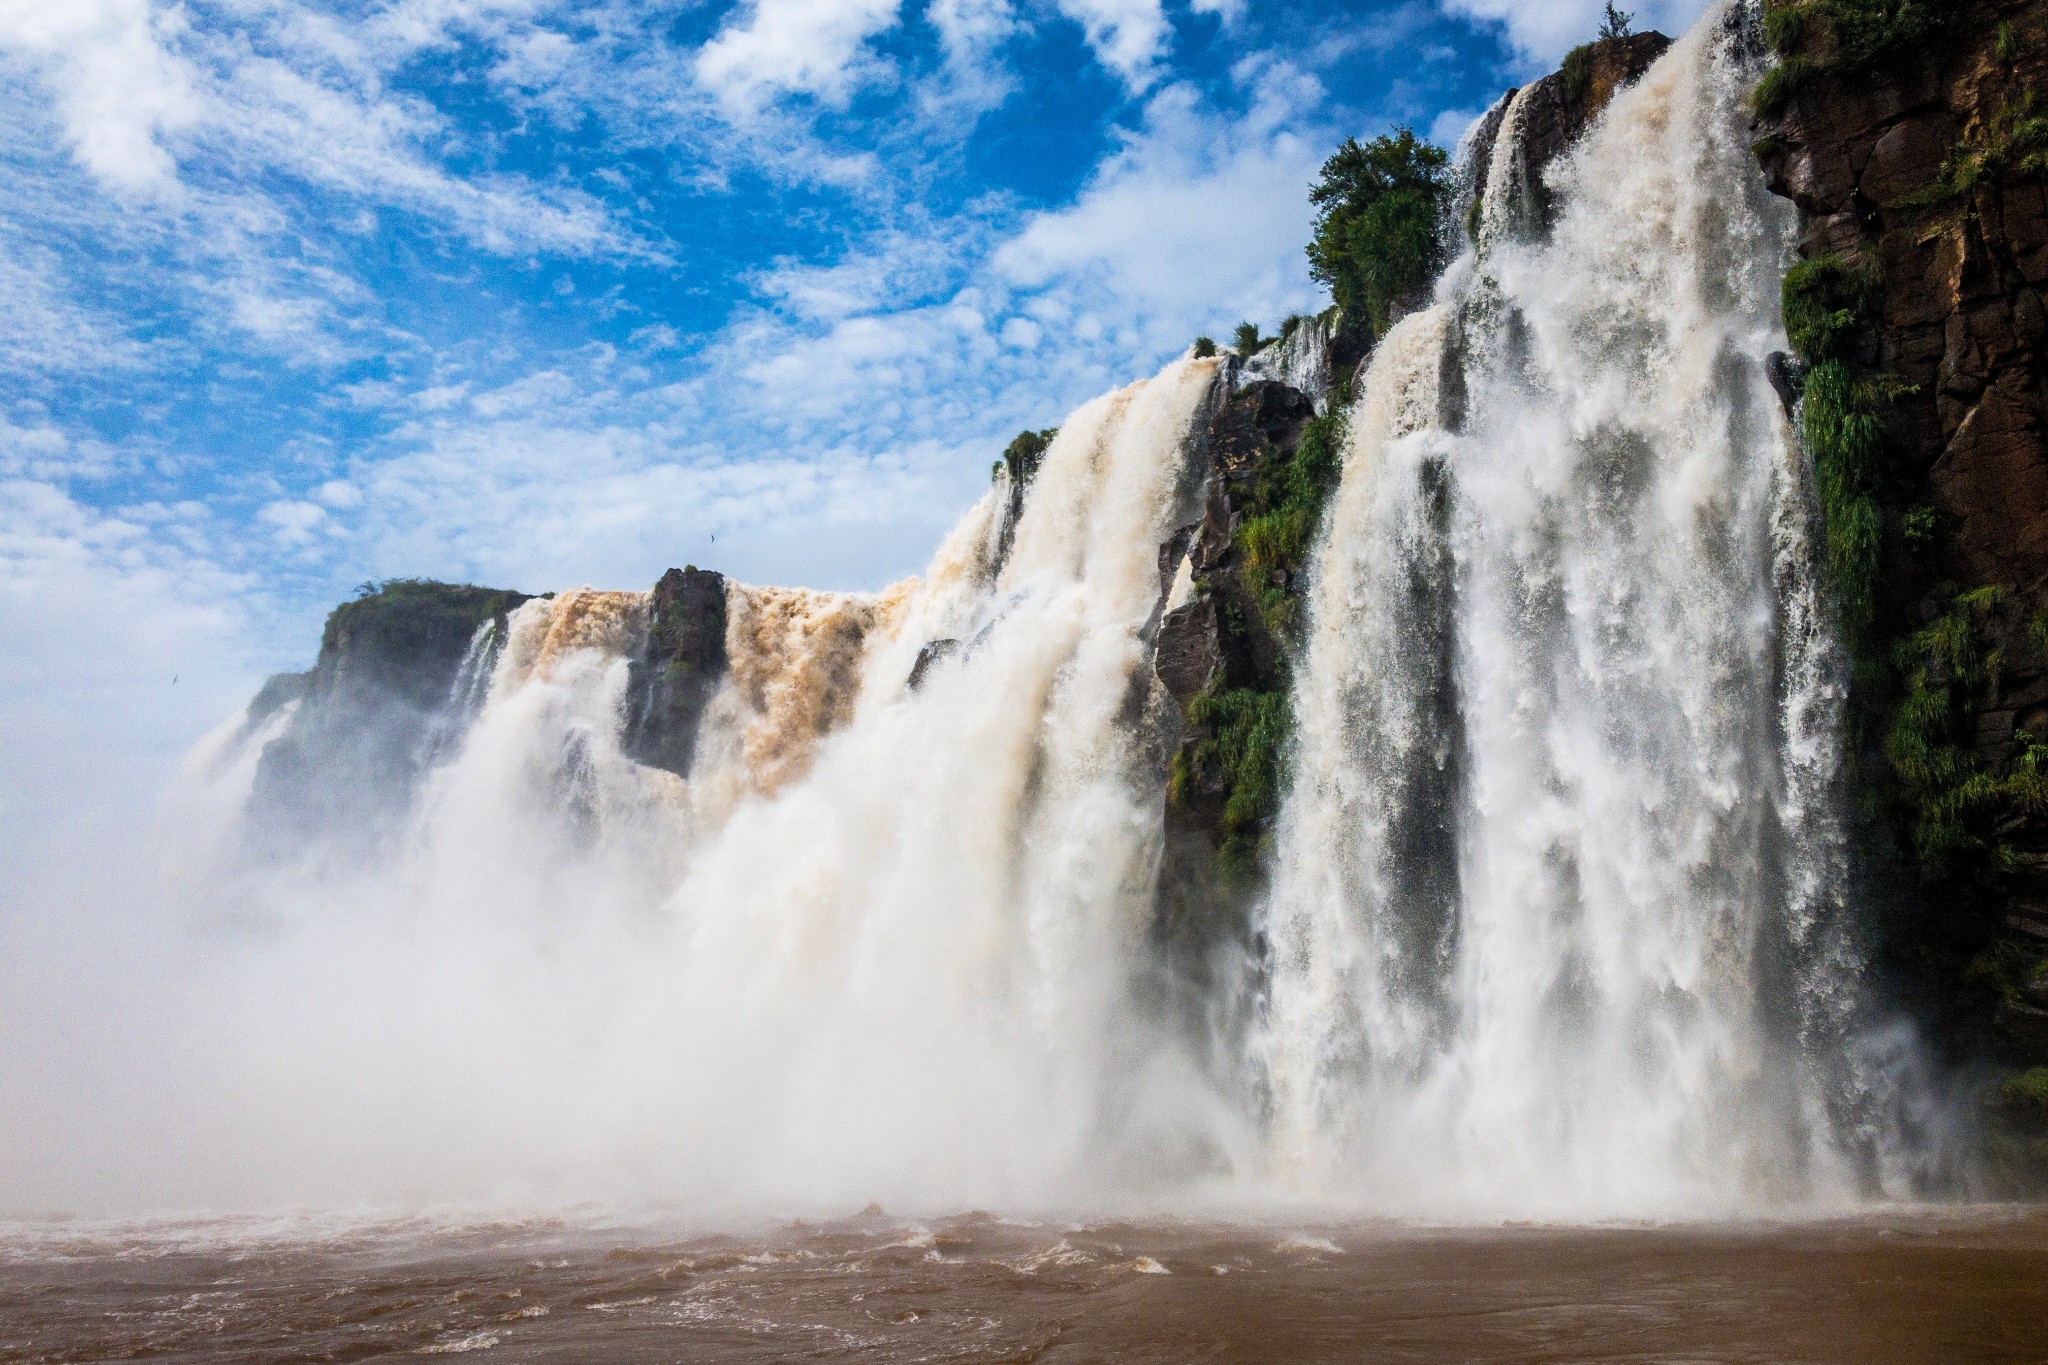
(1947, 1286)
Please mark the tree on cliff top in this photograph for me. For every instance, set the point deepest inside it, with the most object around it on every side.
(1379, 223)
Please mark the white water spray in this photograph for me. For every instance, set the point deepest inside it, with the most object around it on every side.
(1557, 923)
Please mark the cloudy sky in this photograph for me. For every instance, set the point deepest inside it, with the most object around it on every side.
(538, 293)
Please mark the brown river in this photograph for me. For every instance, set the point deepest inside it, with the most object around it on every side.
(1949, 1286)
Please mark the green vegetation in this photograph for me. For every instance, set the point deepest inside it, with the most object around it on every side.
(1379, 224)
(1917, 689)
(1829, 304)
(2029, 1091)
(1246, 340)
(1204, 347)
(1957, 804)
(1245, 741)
(1840, 37)
(412, 611)
(1277, 535)
(2015, 144)
(1245, 731)
(414, 629)
(1826, 301)
(1575, 78)
(1023, 455)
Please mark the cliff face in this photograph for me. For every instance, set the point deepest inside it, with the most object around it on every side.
(1550, 115)
(677, 669)
(371, 711)
(1234, 609)
(1912, 140)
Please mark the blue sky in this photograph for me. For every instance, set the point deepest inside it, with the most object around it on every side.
(538, 294)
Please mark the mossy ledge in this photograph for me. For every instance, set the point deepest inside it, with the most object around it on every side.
(1909, 134)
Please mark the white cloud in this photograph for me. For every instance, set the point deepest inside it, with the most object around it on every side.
(43, 329)
(812, 47)
(1545, 30)
(968, 29)
(1128, 36)
(294, 522)
(1197, 220)
(117, 87)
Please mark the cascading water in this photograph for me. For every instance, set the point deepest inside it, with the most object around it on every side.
(880, 942)
(1558, 916)
(1558, 920)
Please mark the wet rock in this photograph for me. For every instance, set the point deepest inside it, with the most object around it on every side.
(279, 690)
(372, 712)
(678, 669)
(1787, 374)
(1961, 348)
(1189, 650)
(930, 657)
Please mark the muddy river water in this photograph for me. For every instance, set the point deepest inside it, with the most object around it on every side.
(1949, 1286)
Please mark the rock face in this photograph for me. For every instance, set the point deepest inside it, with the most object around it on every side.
(1221, 655)
(678, 668)
(1922, 171)
(1962, 273)
(1552, 114)
(1302, 359)
(370, 711)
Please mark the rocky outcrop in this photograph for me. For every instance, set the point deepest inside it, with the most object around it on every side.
(678, 668)
(1550, 116)
(1232, 595)
(372, 711)
(1914, 149)
(1305, 358)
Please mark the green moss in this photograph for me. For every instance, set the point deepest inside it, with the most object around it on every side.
(1843, 436)
(1827, 300)
(2000, 971)
(2014, 144)
(1829, 307)
(1961, 807)
(1242, 733)
(2008, 44)
(1841, 37)
(1918, 527)
(1245, 735)
(2027, 1092)
(1277, 535)
(1575, 79)
(1784, 28)
(1781, 84)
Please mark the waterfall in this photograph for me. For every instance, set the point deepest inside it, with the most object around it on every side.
(879, 942)
(1559, 923)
